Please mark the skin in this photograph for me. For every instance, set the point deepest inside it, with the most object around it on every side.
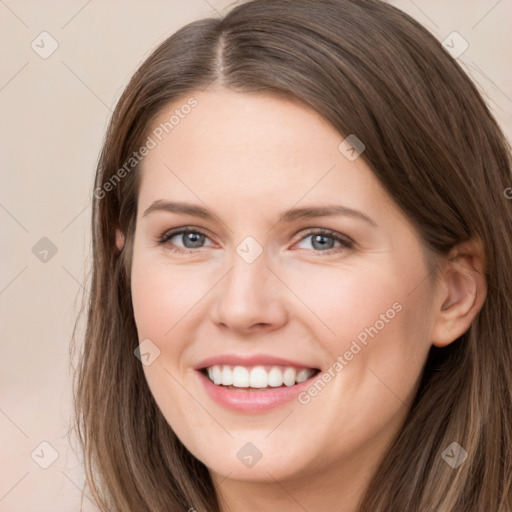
(247, 158)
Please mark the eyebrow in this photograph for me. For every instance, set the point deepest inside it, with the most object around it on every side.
(287, 216)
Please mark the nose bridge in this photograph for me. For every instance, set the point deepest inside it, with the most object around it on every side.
(248, 295)
(248, 277)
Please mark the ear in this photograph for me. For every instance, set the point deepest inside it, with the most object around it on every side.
(461, 293)
(119, 239)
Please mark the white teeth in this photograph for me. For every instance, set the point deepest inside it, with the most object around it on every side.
(240, 377)
(217, 375)
(258, 376)
(289, 376)
(302, 375)
(227, 376)
(275, 377)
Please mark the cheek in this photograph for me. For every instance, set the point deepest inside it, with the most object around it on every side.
(379, 347)
(338, 304)
(375, 321)
(162, 295)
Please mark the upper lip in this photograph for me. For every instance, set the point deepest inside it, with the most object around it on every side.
(254, 360)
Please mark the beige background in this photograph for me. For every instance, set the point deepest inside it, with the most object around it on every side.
(54, 114)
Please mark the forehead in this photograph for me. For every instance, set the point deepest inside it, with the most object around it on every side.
(249, 147)
(243, 124)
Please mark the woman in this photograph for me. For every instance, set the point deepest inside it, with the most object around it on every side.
(301, 251)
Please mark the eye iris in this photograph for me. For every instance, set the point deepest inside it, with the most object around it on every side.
(322, 240)
(196, 239)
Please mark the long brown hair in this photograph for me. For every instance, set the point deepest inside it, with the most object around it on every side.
(369, 70)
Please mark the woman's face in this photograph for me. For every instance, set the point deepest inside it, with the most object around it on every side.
(294, 258)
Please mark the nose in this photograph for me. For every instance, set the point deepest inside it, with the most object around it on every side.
(250, 298)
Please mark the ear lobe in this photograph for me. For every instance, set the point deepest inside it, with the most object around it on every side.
(464, 288)
(119, 239)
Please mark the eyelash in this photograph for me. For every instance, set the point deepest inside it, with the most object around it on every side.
(346, 242)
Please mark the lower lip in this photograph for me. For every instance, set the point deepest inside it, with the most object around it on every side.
(253, 401)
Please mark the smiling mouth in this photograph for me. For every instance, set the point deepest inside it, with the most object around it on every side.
(255, 378)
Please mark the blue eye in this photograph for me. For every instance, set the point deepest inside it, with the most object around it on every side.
(191, 239)
(322, 240)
